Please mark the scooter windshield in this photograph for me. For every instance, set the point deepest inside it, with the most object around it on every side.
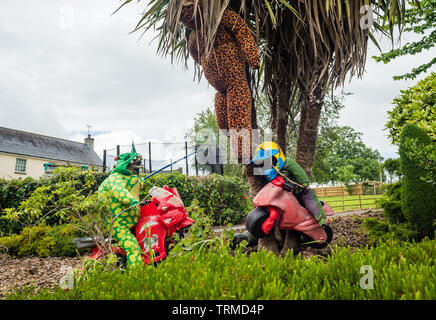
(160, 193)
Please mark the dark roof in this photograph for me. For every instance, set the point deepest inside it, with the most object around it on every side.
(36, 145)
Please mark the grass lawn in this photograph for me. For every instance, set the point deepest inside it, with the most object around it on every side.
(347, 203)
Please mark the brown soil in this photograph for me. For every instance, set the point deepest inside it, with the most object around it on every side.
(41, 272)
(46, 272)
(347, 232)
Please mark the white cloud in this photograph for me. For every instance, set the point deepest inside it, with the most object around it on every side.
(366, 110)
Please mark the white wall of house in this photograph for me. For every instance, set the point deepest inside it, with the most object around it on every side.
(34, 166)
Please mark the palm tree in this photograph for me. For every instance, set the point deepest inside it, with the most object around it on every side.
(307, 47)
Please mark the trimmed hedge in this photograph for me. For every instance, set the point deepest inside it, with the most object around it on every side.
(418, 196)
(13, 192)
(401, 271)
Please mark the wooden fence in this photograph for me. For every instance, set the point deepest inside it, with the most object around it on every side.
(356, 197)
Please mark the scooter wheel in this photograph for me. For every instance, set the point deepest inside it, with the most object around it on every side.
(328, 230)
(121, 261)
(255, 220)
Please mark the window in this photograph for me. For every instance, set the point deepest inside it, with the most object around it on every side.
(49, 168)
(20, 165)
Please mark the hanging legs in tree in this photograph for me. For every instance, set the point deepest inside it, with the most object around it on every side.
(239, 122)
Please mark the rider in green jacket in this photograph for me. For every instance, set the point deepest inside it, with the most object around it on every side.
(295, 177)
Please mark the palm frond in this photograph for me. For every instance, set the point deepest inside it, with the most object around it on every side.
(308, 42)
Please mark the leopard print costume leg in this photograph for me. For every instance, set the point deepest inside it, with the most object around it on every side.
(224, 68)
(221, 110)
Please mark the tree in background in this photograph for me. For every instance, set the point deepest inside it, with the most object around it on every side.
(417, 105)
(419, 19)
(393, 168)
(205, 122)
(343, 157)
(418, 197)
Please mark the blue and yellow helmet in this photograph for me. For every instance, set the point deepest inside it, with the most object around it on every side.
(269, 150)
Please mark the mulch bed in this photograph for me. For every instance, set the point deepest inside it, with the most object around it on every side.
(46, 272)
(347, 232)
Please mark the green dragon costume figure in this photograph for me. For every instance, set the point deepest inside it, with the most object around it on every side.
(120, 191)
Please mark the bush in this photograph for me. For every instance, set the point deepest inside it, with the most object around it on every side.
(60, 199)
(391, 203)
(12, 192)
(36, 196)
(401, 271)
(418, 196)
(42, 241)
(383, 231)
(223, 197)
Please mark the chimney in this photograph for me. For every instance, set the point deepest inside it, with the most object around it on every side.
(90, 141)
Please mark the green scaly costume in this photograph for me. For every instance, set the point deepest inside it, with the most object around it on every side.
(120, 191)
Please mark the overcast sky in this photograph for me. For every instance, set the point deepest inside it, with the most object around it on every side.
(66, 64)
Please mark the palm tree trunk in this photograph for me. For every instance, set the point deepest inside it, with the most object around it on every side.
(309, 120)
(282, 118)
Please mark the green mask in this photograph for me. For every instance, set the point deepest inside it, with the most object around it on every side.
(123, 162)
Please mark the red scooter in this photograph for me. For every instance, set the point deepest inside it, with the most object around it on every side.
(278, 203)
(160, 218)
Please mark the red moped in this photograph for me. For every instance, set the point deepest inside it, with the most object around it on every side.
(160, 218)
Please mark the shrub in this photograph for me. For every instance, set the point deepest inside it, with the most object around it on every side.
(23, 201)
(383, 231)
(12, 192)
(42, 241)
(418, 196)
(57, 202)
(223, 197)
(391, 203)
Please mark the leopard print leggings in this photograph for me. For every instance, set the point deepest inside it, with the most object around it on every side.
(224, 68)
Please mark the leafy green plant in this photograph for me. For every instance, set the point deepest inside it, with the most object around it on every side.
(42, 241)
(417, 105)
(55, 202)
(391, 203)
(418, 196)
(419, 18)
(383, 231)
(200, 236)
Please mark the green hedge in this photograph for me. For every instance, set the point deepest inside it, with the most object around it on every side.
(42, 241)
(418, 196)
(401, 271)
(13, 192)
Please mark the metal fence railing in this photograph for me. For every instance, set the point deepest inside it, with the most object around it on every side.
(157, 155)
